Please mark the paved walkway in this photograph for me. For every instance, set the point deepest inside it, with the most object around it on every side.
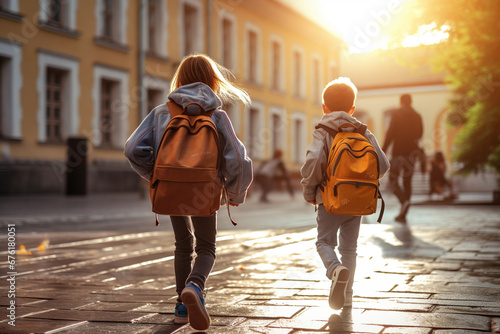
(439, 273)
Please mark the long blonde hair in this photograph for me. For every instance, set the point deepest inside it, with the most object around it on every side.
(201, 68)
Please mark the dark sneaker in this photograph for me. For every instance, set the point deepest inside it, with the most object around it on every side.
(192, 297)
(339, 285)
(180, 314)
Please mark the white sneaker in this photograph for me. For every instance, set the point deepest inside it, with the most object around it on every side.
(339, 285)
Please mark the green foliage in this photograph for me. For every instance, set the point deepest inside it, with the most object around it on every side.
(471, 59)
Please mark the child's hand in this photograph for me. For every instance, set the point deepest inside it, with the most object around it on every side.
(313, 202)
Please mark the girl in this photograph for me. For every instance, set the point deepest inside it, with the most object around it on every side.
(198, 79)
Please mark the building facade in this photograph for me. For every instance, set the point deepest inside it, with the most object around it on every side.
(93, 70)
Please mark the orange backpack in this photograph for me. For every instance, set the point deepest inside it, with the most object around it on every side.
(186, 180)
(351, 179)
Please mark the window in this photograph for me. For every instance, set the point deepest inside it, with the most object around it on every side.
(252, 56)
(106, 124)
(298, 73)
(317, 80)
(155, 32)
(192, 24)
(253, 126)
(257, 135)
(333, 70)
(276, 65)
(299, 137)
(54, 105)
(111, 103)
(56, 13)
(227, 43)
(152, 12)
(154, 98)
(58, 93)
(59, 15)
(111, 23)
(9, 5)
(108, 31)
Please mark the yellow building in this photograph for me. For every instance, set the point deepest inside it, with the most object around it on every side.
(93, 69)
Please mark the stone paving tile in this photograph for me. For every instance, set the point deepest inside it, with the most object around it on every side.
(119, 328)
(432, 320)
(249, 311)
(488, 311)
(456, 331)
(26, 325)
(406, 330)
(299, 324)
(102, 316)
(235, 330)
(111, 306)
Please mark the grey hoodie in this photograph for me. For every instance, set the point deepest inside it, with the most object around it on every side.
(315, 164)
(142, 146)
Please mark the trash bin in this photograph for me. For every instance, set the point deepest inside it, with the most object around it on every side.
(76, 166)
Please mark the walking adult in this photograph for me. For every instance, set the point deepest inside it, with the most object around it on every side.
(405, 131)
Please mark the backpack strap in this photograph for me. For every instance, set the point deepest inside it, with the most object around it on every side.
(382, 208)
(174, 109)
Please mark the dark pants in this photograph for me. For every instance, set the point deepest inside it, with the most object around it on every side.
(186, 231)
(401, 166)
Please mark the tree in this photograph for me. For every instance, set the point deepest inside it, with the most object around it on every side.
(471, 59)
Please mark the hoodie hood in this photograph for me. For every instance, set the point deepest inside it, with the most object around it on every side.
(195, 98)
(335, 119)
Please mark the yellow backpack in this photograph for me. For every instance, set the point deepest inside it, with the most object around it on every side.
(351, 180)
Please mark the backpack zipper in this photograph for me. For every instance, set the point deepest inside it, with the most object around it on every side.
(356, 156)
(355, 183)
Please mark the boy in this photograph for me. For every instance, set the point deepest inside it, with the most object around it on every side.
(338, 106)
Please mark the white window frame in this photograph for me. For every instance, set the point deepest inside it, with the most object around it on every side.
(316, 97)
(302, 140)
(225, 15)
(121, 20)
(282, 70)
(12, 5)
(250, 27)
(71, 93)
(333, 70)
(301, 90)
(161, 31)
(158, 84)
(69, 6)
(282, 130)
(262, 132)
(199, 39)
(12, 82)
(120, 104)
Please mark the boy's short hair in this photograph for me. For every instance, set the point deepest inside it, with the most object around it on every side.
(340, 94)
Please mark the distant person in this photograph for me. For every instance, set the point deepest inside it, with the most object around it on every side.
(270, 172)
(438, 180)
(338, 106)
(197, 86)
(405, 131)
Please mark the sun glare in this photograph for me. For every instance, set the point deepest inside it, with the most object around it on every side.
(427, 35)
(365, 24)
